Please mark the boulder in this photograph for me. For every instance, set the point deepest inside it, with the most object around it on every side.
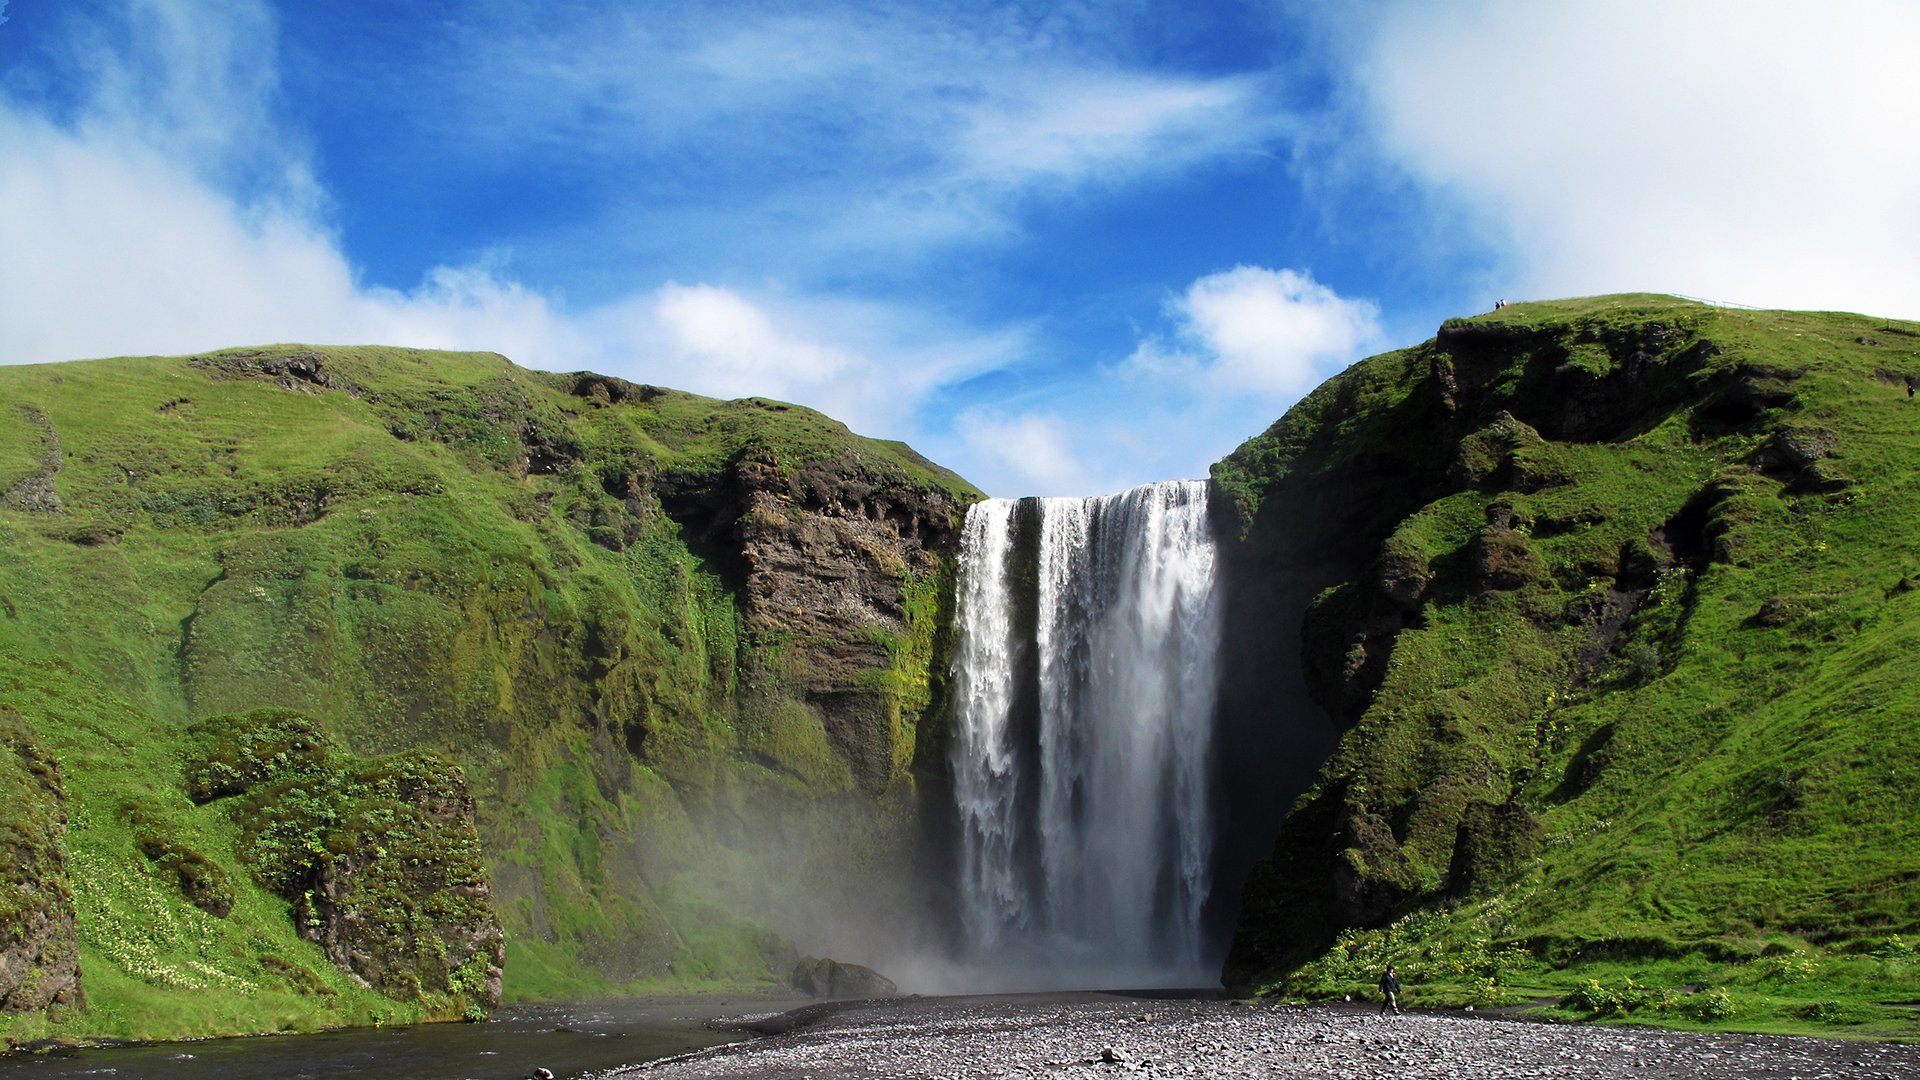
(823, 978)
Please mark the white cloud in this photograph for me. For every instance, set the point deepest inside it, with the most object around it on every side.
(1274, 334)
(1760, 152)
(108, 248)
(735, 349)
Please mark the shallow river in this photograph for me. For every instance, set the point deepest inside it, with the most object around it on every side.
(569, 1039)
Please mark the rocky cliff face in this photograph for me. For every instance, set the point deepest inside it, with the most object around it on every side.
(843, 566)
(1538, 565)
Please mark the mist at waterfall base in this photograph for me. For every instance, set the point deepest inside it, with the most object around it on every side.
(1085, 683)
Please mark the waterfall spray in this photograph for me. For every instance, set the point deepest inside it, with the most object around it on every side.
(1085, 685)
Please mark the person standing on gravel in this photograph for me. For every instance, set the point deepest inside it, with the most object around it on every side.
(1390, 991)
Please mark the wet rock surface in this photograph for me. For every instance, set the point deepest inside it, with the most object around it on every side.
(827, 978)
(1099, 1036)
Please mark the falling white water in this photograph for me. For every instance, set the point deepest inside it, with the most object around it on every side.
(1085, 687)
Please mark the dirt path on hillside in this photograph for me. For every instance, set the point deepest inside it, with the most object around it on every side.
(1074, 1036)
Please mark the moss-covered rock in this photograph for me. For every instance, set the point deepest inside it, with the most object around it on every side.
(380, 858)
(398, 894)
(202, 881)
(39, 948)
(230, 754)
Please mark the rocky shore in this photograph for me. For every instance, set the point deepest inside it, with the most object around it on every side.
(1088, 1035)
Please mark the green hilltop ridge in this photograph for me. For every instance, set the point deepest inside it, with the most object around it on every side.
(1614, 604)
(356, 685)
(366, 685)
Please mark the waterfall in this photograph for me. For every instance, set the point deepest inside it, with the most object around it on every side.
(1084, 677)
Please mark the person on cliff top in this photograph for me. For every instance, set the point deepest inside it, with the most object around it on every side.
(1390, 991)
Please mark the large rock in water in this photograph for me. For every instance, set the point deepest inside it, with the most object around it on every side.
(39, 952)
(823, 978)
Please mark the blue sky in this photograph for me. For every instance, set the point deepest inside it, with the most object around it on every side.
(1061, 248)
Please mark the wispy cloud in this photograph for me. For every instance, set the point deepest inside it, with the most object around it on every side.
(870, 364)
(846, 129)
(1027, 453)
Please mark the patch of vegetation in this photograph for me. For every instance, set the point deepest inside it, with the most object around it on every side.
(202, 881)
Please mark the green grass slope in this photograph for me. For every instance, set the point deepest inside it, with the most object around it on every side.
(1622, 660)
(539, 576)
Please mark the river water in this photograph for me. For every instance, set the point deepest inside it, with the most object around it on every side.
(569, 1039)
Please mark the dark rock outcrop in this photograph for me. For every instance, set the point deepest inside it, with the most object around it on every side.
(39, 950)
(825, 553)
(823, 978)
(300, 370)
(1802, 457)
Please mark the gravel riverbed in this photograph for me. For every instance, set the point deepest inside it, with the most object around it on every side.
(1093, 1035)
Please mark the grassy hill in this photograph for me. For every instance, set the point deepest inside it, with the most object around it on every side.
(586, 605)
(1614, 609)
